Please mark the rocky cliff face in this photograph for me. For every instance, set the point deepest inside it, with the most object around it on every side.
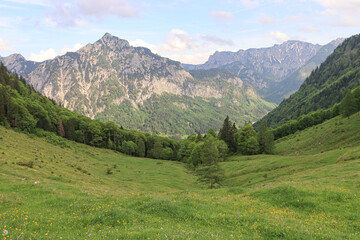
(281, 90)
(110, 79)
(261, 67)
(107, 72)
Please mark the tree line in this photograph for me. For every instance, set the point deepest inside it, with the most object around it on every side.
(349, 105)
(23, 108)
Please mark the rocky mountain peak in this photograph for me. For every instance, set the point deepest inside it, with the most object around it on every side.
(113, 42)
(17, 63)
(262, 66)
(337, 41)
(111, 80)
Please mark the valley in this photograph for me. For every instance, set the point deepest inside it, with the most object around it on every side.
(228, 123)
(292, 195)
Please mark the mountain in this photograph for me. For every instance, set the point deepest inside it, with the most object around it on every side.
(17, 63)
(281, 90)
(111, 80)
(263, 66)
(324, 87)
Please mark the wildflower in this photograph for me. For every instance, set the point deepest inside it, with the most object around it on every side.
(5, 232)
(36, 182)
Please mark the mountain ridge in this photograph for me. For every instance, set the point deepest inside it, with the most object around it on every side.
(270, 63)
(111, 74)
(325, 86)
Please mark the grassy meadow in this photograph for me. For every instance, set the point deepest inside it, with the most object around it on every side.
(308, 190)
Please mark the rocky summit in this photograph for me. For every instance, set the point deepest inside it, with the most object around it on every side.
(111, 80)
(262, 66)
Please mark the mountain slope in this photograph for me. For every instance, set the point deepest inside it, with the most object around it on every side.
(18, 64)
(281, 90)
(324, 87)
(111, 80)
(264, 66)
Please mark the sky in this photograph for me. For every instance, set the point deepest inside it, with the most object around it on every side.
(184, 30)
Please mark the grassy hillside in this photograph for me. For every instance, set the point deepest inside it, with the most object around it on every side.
(336, 133)
(294, 195)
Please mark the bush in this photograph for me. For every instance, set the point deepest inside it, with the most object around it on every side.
(29, 164)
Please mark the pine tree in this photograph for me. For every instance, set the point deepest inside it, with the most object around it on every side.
(210, 172)
(2, 106)
(348, 105)
(227, 134)
(265, 139)
(199, 137)
(211, 132)
(141, 147)
(70, 129)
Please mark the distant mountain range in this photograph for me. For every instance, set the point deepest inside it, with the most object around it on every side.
(111, 80)
(324, 87)
(275, 72)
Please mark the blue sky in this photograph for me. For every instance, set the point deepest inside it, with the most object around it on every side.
(184, 30)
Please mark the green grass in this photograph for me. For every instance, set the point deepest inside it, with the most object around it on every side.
(335, 133)
(300, 193)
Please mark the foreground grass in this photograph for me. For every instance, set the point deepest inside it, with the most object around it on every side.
(292, 196)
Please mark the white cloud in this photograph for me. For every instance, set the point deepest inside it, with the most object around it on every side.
(142, 43)
(51, 53)
(76, 47)
(179, 46)
(101, 8)
(195, 58)
(279, 36)
(80, 22)
(66, 13)
(265, 19)
(216, 40)
(44, 3)
(343, 13)
(177, 41)
(249, 3)
(43, 55)
(222, 15)
(4, 46)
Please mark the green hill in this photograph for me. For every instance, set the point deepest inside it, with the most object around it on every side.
(324, 87)
(91, 193)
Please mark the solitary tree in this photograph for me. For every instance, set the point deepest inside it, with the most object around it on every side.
(210, 172)
(266, 139)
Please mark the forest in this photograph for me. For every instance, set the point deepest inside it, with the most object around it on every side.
(22, 108)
